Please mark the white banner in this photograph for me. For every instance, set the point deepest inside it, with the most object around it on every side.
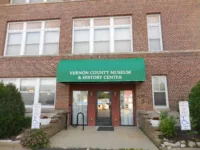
(36, 116)
(184, 115)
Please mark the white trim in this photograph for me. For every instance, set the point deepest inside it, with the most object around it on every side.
(112, 36)
(91, 36)
(166, 91)
(24, 32)
(160, 32)
(111, 28)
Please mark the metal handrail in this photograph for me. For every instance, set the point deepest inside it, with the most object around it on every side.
(80, 113)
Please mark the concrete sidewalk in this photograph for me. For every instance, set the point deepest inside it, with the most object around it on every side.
(122, 137)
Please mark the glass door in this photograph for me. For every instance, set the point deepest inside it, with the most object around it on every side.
(80, 103)
(103, 108)
(126, 107)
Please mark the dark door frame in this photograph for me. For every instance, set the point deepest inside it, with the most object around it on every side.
(110, 122)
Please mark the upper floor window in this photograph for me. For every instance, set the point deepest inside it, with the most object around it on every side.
(102, 35)
(31, 1)
(154, 33)
(32, 38)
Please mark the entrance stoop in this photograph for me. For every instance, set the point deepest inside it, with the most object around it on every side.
(121, 137)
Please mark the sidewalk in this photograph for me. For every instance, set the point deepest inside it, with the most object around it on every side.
(122, 137)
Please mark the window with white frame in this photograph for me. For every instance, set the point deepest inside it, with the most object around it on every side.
(47, 91)
(32, 1)
(102, 35)
(160, 93)
(154, 33)
(34, 90)
(32, 38)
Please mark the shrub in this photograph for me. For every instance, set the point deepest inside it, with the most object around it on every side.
(27, 122)
(34, 139)
(12, 111)
(194, 104)
(163, 115)
(167, 125)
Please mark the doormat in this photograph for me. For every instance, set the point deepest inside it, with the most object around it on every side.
(105, 129)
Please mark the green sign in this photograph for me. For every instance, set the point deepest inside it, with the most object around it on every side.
(101, 70)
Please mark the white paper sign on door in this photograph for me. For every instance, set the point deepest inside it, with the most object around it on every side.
(36, 116)
(184, 115)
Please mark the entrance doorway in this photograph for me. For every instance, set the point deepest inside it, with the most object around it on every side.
(104, 108)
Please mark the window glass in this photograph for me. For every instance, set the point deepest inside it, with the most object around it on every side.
(122, 21)
(14, 38)
(102, 22)
(123, 46)
(82, 47)
(50, 48)
(32, 43)
(154, 33)
(14, 44)
(80, 103)
(34, 25)
(126, 107)
(52, 24)
(155, 44)
(51, 37)
(81, 35)
(15, 26)
(159, 90)
(18, 1)
(95, 37)
(36, 1)
(153, 19)
(81, 39)
(27, 89)
(122, 34)
(8, 81)
(82, 23)
(160, 99)
(101, 38)
(47, 91)
(101, 35)
(101, 47)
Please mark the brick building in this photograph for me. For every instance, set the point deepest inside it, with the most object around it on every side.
(105, 58)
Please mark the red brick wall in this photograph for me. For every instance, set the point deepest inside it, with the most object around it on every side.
(2, 2)
(180, 31)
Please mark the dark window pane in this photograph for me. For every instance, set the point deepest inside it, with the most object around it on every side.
(47, 98)
(159, 99)
(28, 98)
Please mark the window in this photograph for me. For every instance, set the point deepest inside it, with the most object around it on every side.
(126, 107)
(32, 1)
(80, 104)
(102, 35)
(160, 95)
(154, 33)
(47, 91)
(33, 38)
(34, 90)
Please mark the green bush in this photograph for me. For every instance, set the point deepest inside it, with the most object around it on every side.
(194, 103)
(27, 122)
(167, 125)
(12, 111)
(35, 139)
(163, 115)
